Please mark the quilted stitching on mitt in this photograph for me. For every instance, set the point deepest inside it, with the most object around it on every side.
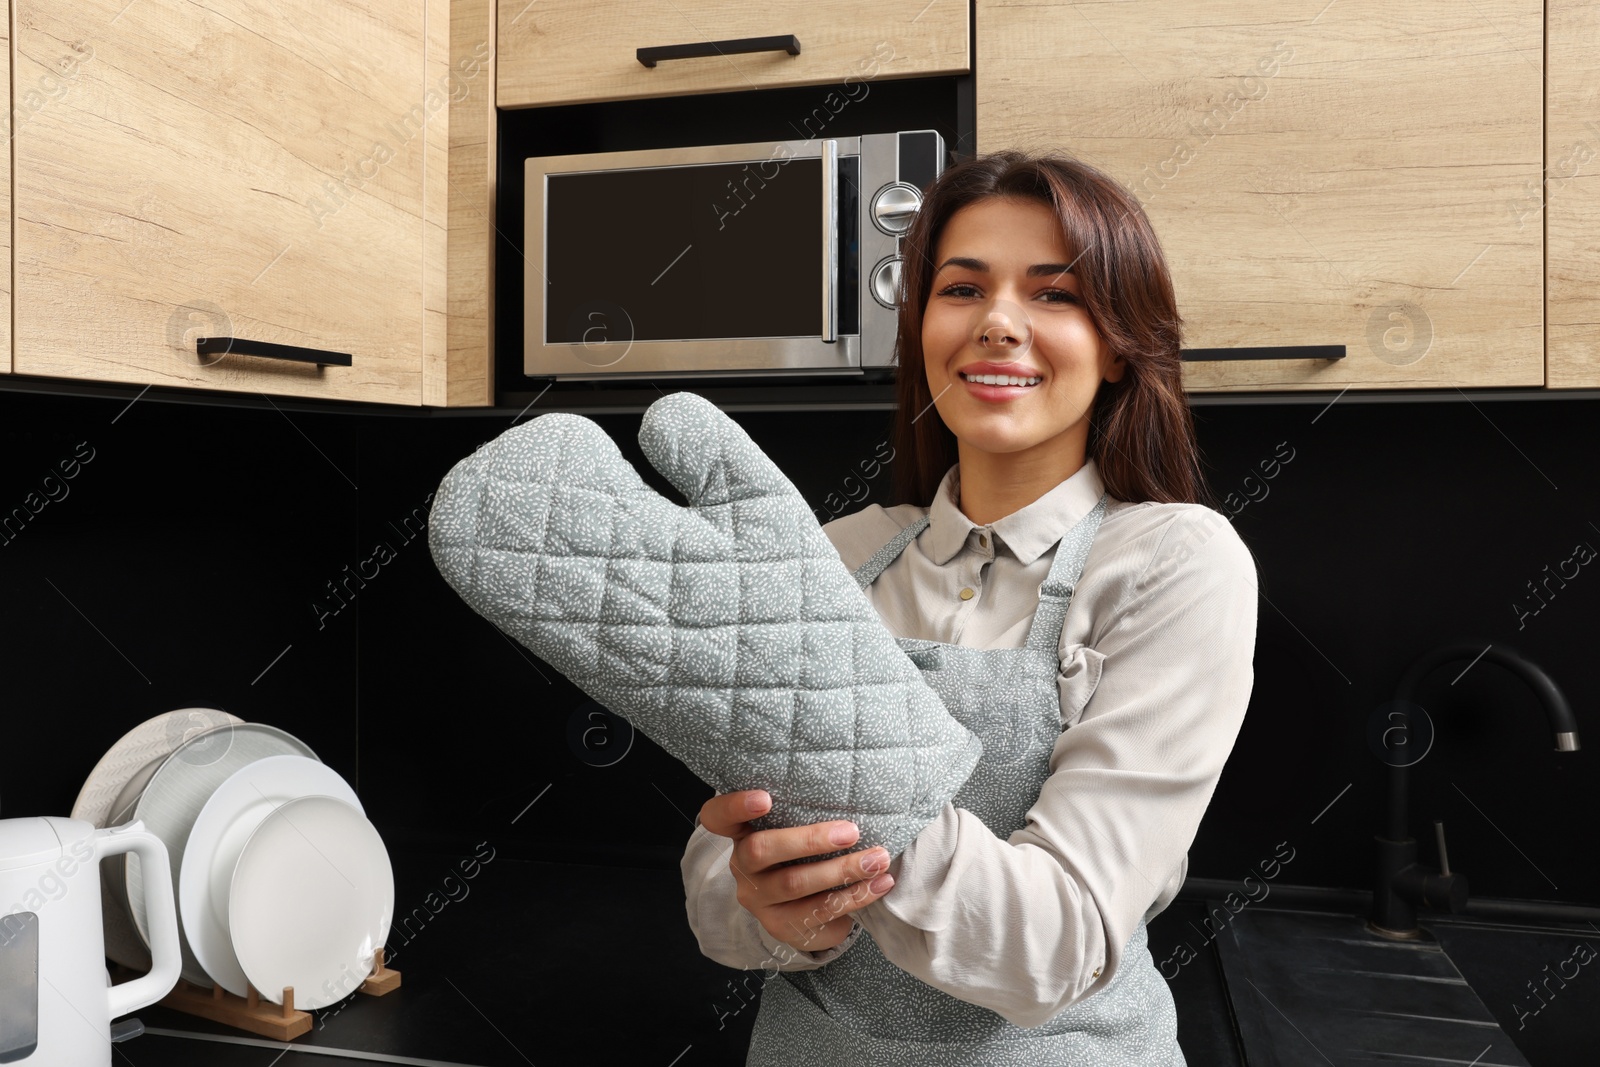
(727, 631)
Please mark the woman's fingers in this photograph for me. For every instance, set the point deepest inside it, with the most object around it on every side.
(726, 813)
(758, 859)
(856, 875)
(805, 905)
(807, 936)
(821, 921)
(769, 848)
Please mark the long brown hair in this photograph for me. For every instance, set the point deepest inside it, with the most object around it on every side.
(1141, 432)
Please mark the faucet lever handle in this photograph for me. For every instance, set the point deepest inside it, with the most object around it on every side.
(1438, 835)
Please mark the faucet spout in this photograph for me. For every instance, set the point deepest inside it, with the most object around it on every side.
(1562, 722)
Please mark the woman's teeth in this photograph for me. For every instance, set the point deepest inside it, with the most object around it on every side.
(1000, 379)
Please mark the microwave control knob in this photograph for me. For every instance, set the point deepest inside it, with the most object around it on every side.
(895, 206)
(886, 282)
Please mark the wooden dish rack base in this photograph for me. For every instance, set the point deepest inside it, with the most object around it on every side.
(257, 1015)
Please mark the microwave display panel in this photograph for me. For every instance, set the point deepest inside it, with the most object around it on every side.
(712, 251)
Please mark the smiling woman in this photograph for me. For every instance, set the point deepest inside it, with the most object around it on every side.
(1055, 569)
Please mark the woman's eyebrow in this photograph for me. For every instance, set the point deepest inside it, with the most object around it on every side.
(1037, 270)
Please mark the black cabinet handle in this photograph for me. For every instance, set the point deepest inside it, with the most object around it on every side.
(221, 346)
(1192, 355)
(786, 42)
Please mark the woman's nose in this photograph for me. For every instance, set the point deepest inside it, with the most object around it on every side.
(1002, 324)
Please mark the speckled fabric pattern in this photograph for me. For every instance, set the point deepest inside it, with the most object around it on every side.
(861, 1008)
(728, 631)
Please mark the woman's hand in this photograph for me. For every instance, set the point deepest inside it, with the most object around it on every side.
(800, 904)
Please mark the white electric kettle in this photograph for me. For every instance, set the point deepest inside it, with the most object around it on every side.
(56, 998)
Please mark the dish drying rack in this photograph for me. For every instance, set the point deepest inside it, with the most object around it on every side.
(282, 1022)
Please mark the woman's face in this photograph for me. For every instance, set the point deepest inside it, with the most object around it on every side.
(1004, 301)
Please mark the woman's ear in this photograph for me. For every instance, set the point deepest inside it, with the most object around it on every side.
(1115, 369)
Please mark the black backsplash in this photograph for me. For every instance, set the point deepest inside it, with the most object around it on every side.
(193, 557)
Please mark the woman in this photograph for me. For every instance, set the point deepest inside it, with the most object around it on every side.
(1052, 548)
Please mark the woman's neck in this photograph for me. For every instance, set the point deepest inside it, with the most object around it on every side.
(997, 484)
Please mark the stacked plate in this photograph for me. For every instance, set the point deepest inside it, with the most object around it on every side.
(281, 879)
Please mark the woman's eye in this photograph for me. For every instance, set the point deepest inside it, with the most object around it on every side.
(968, 290)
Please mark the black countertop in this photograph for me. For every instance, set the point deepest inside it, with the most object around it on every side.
(506, 973)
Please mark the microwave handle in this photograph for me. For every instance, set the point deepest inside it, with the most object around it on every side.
(830, 241)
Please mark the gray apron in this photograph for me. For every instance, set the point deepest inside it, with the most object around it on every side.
(863, 1009)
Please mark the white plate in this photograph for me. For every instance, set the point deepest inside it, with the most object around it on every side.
(122, 808)
(311, 902)
(235, 809)
(148, 743)
(114, 871)
(179, 790)
(152, 740)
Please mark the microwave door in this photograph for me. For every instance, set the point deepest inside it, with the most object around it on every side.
(690, 267)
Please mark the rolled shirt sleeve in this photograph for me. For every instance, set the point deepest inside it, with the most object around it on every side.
(1030, 925)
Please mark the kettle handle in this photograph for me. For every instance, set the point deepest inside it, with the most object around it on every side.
(161, 915)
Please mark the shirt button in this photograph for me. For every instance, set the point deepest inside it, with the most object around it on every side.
(967, 594)
(983, 540)
(1097, 972)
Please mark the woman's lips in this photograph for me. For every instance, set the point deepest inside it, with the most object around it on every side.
(996, 393)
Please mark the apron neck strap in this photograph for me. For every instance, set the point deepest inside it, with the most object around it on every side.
(1056, 593)
(868, 572)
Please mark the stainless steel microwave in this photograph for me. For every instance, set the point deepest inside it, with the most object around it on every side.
(746, 259)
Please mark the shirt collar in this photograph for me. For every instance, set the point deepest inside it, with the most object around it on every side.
(1028, 532)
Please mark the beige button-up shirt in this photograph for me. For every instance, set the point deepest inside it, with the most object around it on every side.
(1155, 675)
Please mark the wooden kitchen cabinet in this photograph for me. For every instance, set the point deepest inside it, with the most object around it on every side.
(12, 112)
(253, 171)
(578, 51)
(1353, 175)
(1571, 195)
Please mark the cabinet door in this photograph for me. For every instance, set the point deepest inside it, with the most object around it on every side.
(1351, 176)
(1571, 195)
(236, 169)
(51, 84)
(458, 240)
(576, 51)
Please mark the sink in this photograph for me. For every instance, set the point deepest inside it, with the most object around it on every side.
(1316, 988)
(1542, 983)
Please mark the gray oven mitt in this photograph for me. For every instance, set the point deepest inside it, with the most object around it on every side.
(728, 632)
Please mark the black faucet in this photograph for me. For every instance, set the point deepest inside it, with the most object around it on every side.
(1403, 883)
